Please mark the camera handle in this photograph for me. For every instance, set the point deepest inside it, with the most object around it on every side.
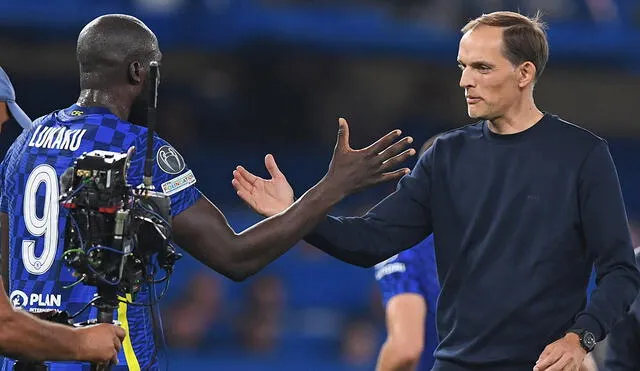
(106, 304)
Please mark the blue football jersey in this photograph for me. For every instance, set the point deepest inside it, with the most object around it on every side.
(414, 271)
(30, 196)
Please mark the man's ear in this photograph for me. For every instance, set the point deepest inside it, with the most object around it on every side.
(135, 73)
(526, 74)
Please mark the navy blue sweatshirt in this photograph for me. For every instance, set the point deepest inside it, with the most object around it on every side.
(624, 340)
(518, 221)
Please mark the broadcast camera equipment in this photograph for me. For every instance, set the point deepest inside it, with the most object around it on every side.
(114, 230)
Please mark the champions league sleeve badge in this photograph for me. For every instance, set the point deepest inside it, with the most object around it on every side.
(169, 160)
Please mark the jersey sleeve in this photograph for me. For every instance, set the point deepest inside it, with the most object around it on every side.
(171, 175)
(399, 275)
(411, 271)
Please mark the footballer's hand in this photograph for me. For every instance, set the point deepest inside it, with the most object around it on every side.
(351, 169)
(99, 343)
(265, 196)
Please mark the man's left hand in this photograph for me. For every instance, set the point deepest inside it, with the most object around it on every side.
(565, 354)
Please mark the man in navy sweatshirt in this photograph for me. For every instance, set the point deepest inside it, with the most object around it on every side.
(521, 205)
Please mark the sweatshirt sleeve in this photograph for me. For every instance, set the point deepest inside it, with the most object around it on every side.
(397, 223)
(607, 237)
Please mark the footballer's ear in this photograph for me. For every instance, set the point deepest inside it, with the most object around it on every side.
(136, 73)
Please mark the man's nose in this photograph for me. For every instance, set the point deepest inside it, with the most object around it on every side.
(466, 78)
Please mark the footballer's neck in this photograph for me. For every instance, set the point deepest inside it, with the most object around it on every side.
(105, 98)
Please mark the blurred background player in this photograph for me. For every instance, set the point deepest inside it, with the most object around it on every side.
(114, 52)
(8, 106)
(410, 289)
(409, 285)
(9, 109)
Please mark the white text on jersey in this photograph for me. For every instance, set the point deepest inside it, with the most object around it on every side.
(57, 138)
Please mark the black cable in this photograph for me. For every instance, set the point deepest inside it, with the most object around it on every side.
(85, 307)
(163, 279)
(158, 328)
(136, 304)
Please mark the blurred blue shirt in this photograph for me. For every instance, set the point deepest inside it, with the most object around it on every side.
(414, 271)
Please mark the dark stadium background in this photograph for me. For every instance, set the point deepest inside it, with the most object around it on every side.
(242, 78)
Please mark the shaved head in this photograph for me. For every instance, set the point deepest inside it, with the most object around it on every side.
(114, 52)
(109, 45)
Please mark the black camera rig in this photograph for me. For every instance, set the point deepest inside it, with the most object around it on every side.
(113, 229)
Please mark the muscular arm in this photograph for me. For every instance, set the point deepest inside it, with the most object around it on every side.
(203, 231)
(23, 336)
(403, 348)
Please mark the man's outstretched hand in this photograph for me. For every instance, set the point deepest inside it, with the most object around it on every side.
(265, 196)
(350, 170)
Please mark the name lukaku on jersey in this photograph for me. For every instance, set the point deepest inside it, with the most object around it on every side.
(57, 138)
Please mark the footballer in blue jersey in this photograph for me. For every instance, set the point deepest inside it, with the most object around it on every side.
(35, 162)
(410, 276)
(25, 335)
(114, 53)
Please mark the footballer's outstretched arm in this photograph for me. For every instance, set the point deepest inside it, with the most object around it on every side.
(203, 231)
